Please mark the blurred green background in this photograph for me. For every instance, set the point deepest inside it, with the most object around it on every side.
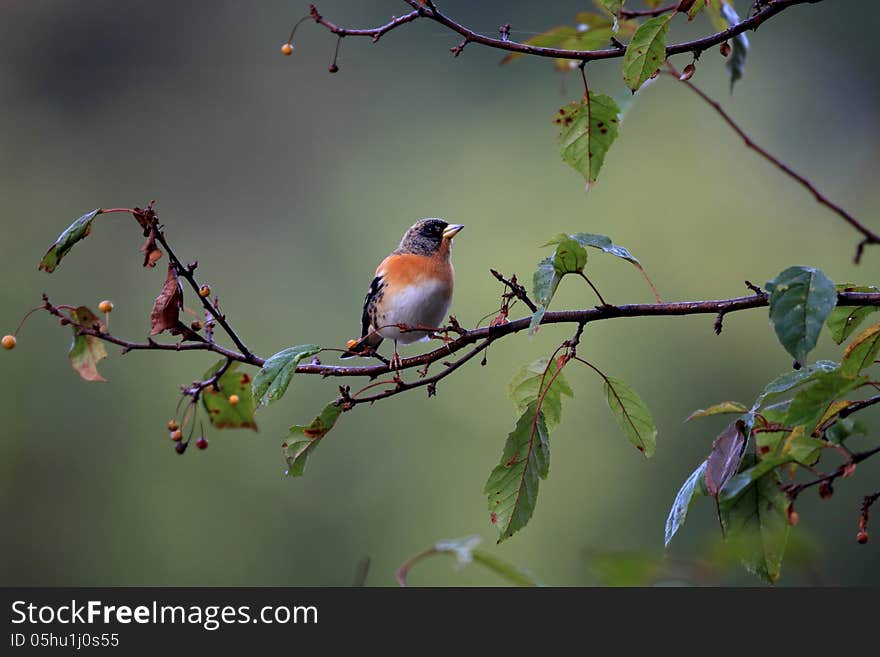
(289, 184)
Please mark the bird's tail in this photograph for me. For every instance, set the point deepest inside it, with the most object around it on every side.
(365, 346)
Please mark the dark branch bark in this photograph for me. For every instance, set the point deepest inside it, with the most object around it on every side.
(430, 12)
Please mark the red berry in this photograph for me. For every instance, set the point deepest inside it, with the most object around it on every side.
(862, 537)
(180, 448)
(202, 443)
(333, 68)
(826, 490)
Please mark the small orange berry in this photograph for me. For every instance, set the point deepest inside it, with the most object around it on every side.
(177, 435)
(234, 399)
(8, 342)
(204, 291)
(351, 343)
(287, 49)
(105, 306)
(196, 325)
(172, 425)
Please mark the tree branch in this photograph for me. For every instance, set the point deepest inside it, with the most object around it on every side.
(484, 336)
(429, 11)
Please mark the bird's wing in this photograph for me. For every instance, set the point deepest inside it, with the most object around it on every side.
(373, 296)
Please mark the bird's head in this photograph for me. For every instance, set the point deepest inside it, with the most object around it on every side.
(428, 236)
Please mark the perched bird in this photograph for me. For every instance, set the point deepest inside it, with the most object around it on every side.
(412, 289)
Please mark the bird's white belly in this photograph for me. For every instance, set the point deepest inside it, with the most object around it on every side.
(424, 304)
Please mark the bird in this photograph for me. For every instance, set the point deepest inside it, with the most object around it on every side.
(412, 289)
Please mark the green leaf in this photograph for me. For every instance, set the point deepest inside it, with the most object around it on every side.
(803, 449)
(587, 128)
(845, 428)
(513, 484)
(693, 486)
(77, 231)
(527, 384)
(646, 52)
(741, 482)
(791, 380)
(801, 298)
(810, 403)
(632, 415)
(717, 409)
(545, 280)
(272, 380)
(756, 524)
(570, 258)
(604, 243)
(695, 9)
(844, 320)
(296, 451)
(465, 551)
(221, 413)
(736, 62)
(86, 350)
(861, 352)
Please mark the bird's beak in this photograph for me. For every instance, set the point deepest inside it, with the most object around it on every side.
(451, 231)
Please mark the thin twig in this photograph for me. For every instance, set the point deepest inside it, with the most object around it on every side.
(869, 236)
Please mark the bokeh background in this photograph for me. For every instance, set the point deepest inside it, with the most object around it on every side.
(289, 184)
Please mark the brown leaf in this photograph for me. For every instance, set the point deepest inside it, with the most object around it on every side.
(151, 251)
(166, 310)
(724, 458)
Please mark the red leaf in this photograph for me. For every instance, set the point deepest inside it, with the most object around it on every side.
(166, 310)
(724, 458)
(151, 252)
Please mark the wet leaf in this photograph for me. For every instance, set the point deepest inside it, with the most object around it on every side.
(587, 129)
(801, 298)
(274, 377)
(723, 460)
(77, 231)
(692, 487)
(167, 307)
(604, 243)
(718, 409)
(646, 52)
(789, 381)
(512, 487)
(86, 350)
(303, 439)
(221, 413)
(632, 415)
